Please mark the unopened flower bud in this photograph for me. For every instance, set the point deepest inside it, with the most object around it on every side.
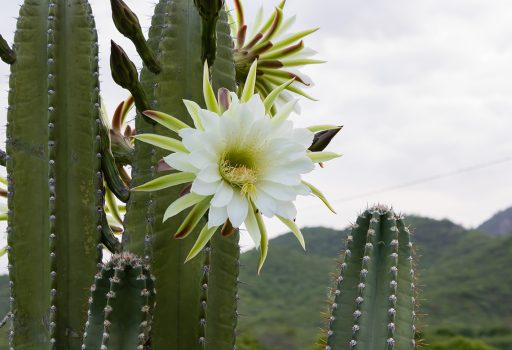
(127, 22)
(322, 139)
(125, 75)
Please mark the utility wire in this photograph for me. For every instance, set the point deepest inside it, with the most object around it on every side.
(426, 179)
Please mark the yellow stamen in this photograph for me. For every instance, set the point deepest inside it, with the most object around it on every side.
(239, 175)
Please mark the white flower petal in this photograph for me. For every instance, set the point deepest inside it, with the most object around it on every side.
(180, 161)
(209, 173)
(265, 203)
(237, 209)
(286, 210)
(217, 216)
(252, 227)
(303, 137)
(209, 119)
(278, 191)
(223, 195)
(302, 190)
(281, 177)
(201, 160)
(204, 188)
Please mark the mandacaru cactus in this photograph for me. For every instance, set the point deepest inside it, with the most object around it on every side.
(69, 193)
(373, 298)
(121, 305)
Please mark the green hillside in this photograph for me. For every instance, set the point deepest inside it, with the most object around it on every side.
(466, 287)
(465, 281)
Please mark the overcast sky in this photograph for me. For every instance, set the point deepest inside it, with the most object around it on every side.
(423, 87)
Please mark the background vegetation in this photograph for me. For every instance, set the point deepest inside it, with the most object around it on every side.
(465, 282)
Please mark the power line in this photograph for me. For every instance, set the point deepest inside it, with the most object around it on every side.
(426, 179)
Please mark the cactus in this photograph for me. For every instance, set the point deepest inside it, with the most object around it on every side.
(182, 317)
(64, 161)
(54, 172)
(120, 306)
(373, 299)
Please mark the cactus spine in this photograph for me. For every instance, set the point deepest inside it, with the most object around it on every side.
(373, 305)
(120, 306)
(55, 193)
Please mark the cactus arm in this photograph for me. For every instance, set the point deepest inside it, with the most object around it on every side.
(372, 304)
(42, 170)
(54, 172)
(175, 37)
(27, 138)
(120, 305)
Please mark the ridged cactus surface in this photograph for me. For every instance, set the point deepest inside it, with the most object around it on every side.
(54, 178)
(207, 285)
(373, 305)
(120, 306)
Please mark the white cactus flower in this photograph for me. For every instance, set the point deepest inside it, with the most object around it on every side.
(242, 162)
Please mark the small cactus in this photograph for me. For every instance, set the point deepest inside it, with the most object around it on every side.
(373, 304)
(120, 306)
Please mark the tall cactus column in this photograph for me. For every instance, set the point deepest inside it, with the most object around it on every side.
(373, 305)
(191, 298)
(54, 178)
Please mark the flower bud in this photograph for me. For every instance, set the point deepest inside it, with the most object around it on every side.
(124, 71)
(125, 75)
(128, 24)
(322, 139)
(6, 53)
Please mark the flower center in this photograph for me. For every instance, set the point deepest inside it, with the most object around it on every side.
(238, 167)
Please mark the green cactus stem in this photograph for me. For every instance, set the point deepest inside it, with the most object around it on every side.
(6, 53)
(128, 24)
(373, 304)
(180, 320)
(120, 306)
(54, 173)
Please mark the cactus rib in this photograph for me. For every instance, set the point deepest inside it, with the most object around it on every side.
(373, 299)
(54, 171)
(175, 39)
(120, 305)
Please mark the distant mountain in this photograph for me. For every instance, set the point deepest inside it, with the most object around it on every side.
(464, 277)
(464, 280)
(499, 224)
